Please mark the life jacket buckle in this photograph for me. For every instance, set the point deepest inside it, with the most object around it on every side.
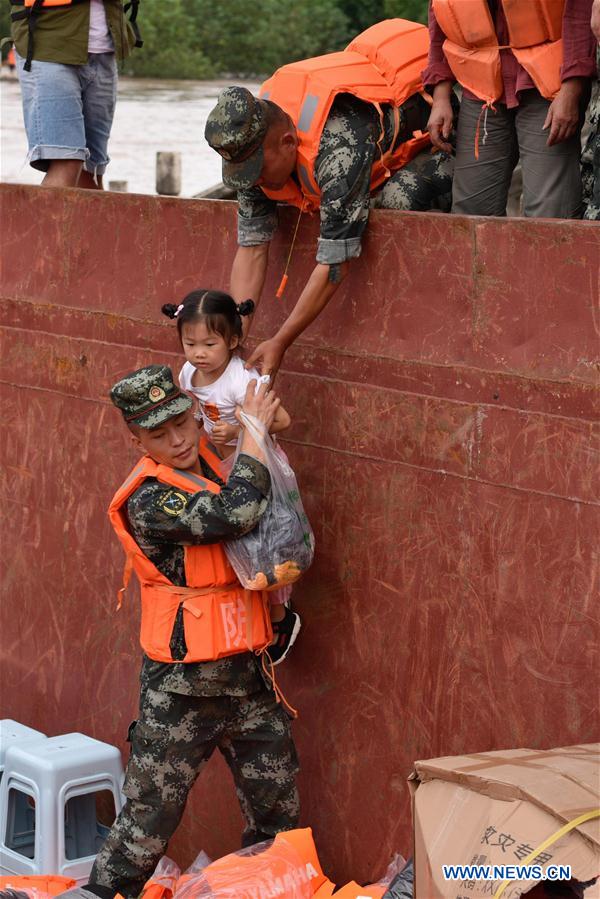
(189, 606)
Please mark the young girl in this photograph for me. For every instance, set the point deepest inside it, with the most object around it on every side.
(210, 329)
(209, 323)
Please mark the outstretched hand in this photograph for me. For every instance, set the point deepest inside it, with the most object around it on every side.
(267, 357)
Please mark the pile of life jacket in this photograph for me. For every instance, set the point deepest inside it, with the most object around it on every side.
(287, 867)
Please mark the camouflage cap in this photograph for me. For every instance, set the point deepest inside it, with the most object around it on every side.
(149, 396)
(236, 129)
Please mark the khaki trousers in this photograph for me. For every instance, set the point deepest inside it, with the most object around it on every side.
(551, 175)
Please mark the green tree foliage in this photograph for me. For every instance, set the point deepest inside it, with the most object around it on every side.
(200, 38)
(171, 48)
(203, 39)
(362, 13)
(415, 10)
(277, 32)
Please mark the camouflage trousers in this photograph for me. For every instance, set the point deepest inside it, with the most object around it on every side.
(590, 160)
(175, 735)
(424, 183)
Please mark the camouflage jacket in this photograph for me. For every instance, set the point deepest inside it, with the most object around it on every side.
(162, 529)
(347, 151)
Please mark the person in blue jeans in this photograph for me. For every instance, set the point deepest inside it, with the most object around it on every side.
(66, 59)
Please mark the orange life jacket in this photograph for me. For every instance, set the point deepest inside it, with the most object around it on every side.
(381, 65)
(220, 617)
(472, 49)
(52, 884)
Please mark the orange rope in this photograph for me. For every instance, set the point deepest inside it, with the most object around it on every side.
(284, 279)
(271, 675)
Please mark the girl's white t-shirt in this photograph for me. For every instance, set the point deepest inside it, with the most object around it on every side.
(218, 401)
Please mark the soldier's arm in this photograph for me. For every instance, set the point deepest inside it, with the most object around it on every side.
(248, 274)
(343, 173)
(257, 222)
(160, 514)
(321, 286)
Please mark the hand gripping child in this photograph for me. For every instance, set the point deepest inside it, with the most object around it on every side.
(209, 323)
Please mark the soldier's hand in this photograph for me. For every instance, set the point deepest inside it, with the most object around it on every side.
(261, 404)
(267, 357)
(440, 124)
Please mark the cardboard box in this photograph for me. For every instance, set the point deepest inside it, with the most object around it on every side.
(496, 808)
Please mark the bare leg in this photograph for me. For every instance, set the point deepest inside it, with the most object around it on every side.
(63, 173)
(86, 180)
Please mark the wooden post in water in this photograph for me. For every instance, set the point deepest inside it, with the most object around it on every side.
(168, 174)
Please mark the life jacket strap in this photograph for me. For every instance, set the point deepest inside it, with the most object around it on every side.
(269, 673)
(134, 6)
(412, 110)
(384, 156)
(32, 18)
(127, 571)
(190, 592)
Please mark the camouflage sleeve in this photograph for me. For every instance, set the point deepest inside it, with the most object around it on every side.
(257, 217)
(160, 514)
(343, 173)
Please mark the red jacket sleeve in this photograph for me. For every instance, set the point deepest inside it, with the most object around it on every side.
(579, 45)
(437, 67)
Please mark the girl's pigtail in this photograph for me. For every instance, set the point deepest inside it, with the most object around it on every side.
(169, 309)
(245, 308)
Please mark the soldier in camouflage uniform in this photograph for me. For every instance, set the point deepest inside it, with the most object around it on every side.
(187, 710)
(263, 138)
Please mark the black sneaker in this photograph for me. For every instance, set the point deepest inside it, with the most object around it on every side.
(284, 636)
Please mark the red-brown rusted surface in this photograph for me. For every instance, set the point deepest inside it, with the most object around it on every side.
(443, 435)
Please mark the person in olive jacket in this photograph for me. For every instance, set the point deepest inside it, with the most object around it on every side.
(66, 58)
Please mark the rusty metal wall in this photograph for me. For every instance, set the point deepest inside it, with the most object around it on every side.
(443, 435)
